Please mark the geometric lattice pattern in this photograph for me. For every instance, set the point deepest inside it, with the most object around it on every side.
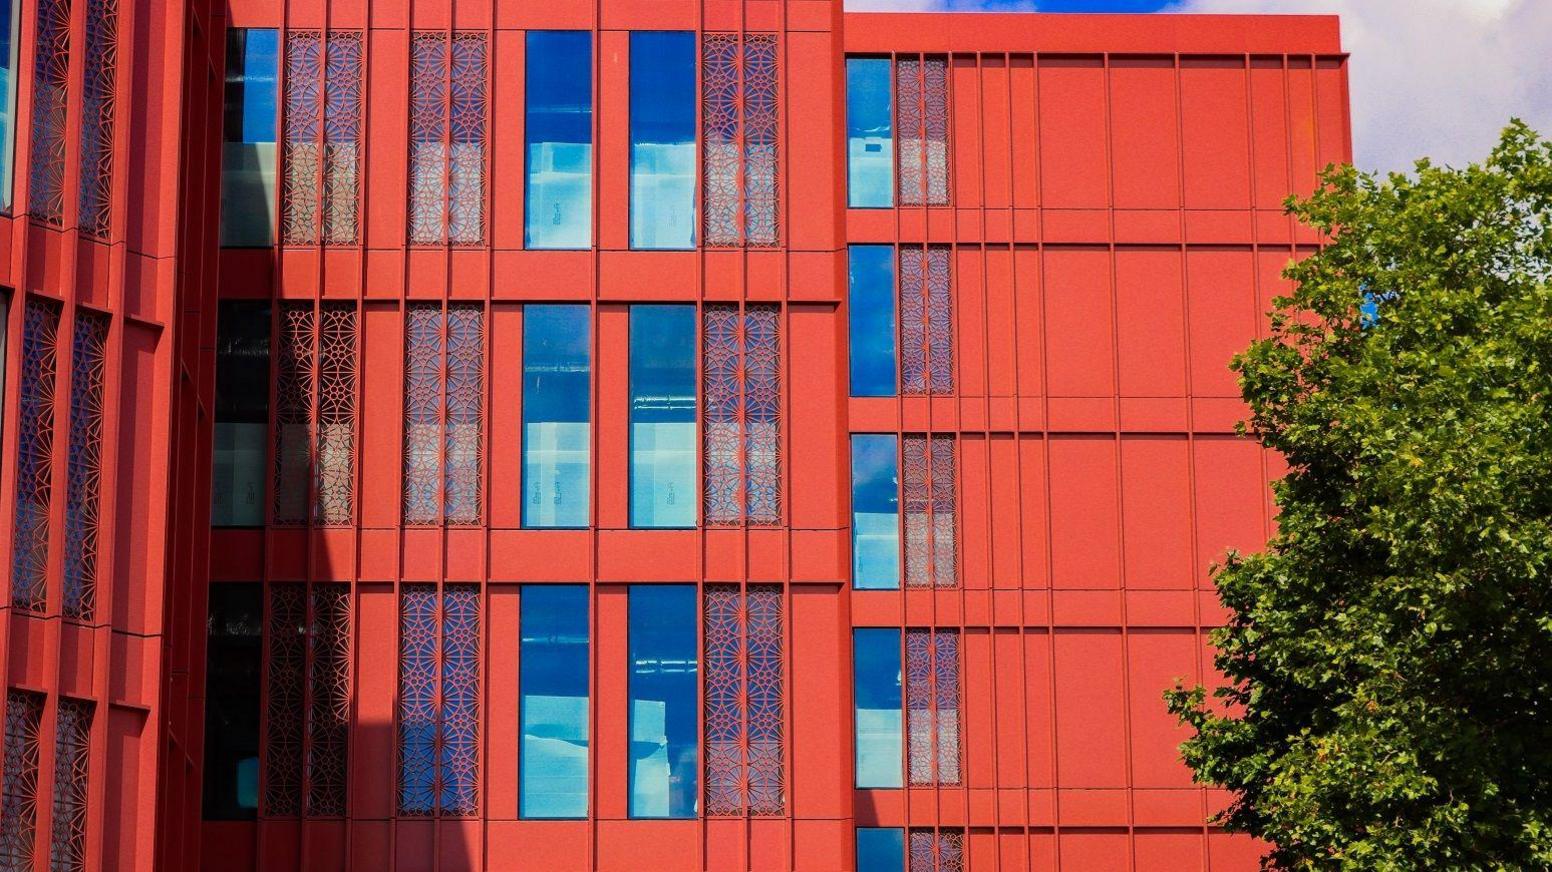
(929, 511)
(447, 138)
(97, 109)
(19, 792)
(285, 699)
(50, 99)
(741, 123)
(319, 193)
(937, 851)
(34, 456)
(743, 413)
(921, 93)
(328, 703)
(743, 698)
(932, 706)
(88, 363)
(439, 711)
(443, 402)
(315, 413)
(307, 699)
(926, 325)
(72, 743)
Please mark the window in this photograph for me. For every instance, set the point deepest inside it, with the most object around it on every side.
(937, 851)
(88, 361)
(447, 138)
(932, 705)
(557, 414)
(740, 124)
(664, 727)
(439, 698)
(926, 328)
(443, 397)
(871, 316)
(560, 139)
(323, 133)
(10, 30)
(744, 712)
(929, 511)
(97, 110)
(72, 737)
(315, 414)
(19, 788)
(307, 713)
(50, 98)
(241, 414)
(875, 512)
(553, 686)
(921, 99)
(743, 414)
(248, 150)
(34, 456)
(870, 142)
(662, 124)
(233, 675)
(876, 658)
(880, 849)
(662, 416)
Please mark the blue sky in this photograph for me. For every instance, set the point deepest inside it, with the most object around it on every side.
(1429, 77)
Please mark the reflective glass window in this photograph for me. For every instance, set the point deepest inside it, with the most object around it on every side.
(870, 143)
(233, 675)
(871, 309)
(560, 139)
(662, 127)
(876, 658)
(662, 416)
(552, 678)
(242, 414)
(557, 400)
(880, 849)
(875, 511)
(664, 728)
(248, 152)
(10, 26)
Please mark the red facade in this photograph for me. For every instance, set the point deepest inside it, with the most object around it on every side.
(1087, 225)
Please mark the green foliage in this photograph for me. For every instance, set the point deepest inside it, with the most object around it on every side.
(1390, 654)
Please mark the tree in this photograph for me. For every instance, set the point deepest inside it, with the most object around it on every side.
(1389, 655)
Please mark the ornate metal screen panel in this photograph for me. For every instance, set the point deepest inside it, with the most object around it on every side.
(418, 633)
(464, 421)
(295, 373)
(428, 138)
(466, 137)
(447, 138)
(67, 846)
(303, 124)
(443, 401)
(921, 95)
(336, 441)
(744, 711)
(82, 517)
(328, 708)
(285, 678)
(97, 109)
(319, 195)
(439, 679)
(929, 511)
(926, 322)
(741, 123)
(743, 415)
(341, 137)
(34, 456)
(315, 413)
(937, 851)
(422, 412)
(50, 98)
(19, 791)
(459, 730)
(932, 706)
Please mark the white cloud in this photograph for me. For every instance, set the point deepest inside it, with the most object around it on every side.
(1433, 77)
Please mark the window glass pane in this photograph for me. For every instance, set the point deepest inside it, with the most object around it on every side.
(662, 416)
(876, 655)
(880, 849)
(10, 21)
(242, 414)
(248, 155)
(875, 512)
(662, 121)
(232, 679)
(872, 317)
(870, 144)
(560, 139)
(664, 759)
(552, 674)
(557, 399)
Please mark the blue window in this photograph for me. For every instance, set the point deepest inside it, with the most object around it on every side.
(248, 152)
(875, 512)
(870, 141)
(557, 408)
(880, 849)
(662, 131)
(560, 139)
(876, 657)
(871, 308)
(10, 26)
(662, 416)
(552, 679)
(664, 724)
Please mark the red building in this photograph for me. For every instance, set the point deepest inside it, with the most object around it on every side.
(636, 434)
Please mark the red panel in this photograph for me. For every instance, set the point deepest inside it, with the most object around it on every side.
(1084, 525)
(1156, 662)
(1080, 351)
(1073, 170)
(1221, 287)
(1090, 710)
(1150, 322)
(1216, 133)
(1156, 493)
(1145, 132)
